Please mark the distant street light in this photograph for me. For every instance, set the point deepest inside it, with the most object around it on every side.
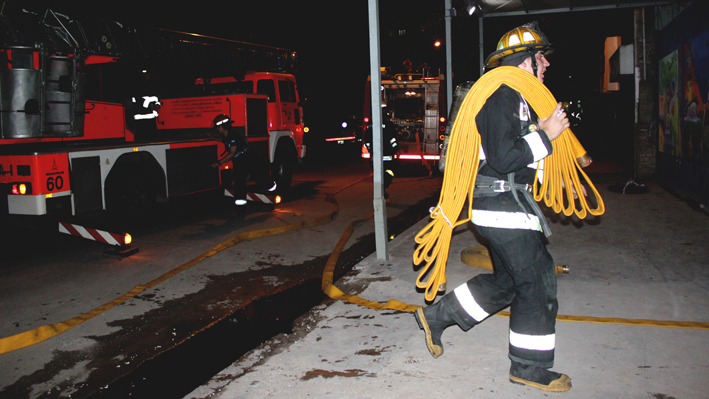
(437, 43)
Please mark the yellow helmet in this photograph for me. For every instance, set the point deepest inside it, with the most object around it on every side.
(527, 38)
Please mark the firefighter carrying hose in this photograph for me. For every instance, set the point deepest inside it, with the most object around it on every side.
(514, 140)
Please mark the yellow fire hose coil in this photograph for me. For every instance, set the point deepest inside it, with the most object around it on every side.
(559, 178)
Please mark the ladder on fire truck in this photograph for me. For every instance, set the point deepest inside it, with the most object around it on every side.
(204, 54)
(61, 41)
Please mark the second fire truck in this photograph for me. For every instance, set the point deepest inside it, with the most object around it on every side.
(415, 103)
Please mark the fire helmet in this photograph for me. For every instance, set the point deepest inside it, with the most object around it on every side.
(523, 41)
(220, 120)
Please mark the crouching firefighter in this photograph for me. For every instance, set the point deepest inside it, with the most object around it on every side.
(514, 140)
(236, 147)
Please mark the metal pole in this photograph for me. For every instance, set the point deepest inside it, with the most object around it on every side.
(450, 13)
(482, 54)
(380, 216)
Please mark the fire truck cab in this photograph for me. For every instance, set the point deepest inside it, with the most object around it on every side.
(285, 115)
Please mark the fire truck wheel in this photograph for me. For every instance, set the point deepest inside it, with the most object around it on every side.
(282, 168)
(128, 194)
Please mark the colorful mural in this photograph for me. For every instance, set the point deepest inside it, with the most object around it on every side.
(684, 101)
(669, 104)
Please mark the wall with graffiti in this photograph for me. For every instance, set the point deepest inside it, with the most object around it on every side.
(683, 112)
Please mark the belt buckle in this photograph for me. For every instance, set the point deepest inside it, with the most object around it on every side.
(498, 186)
(529, 188)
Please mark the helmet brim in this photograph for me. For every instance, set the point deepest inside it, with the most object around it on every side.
(495, 58)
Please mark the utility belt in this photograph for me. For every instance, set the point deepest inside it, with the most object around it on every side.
(488, 186)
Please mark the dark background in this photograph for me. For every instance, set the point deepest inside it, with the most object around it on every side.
(331, 38)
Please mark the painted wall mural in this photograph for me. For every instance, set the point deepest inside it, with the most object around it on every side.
(684, 99)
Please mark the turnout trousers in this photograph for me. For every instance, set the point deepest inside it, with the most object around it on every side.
(524, 278)
(240, 175)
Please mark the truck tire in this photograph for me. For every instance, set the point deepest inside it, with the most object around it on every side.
(283, 166)
(129, 194)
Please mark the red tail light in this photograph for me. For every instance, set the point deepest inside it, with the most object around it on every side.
(21, 188)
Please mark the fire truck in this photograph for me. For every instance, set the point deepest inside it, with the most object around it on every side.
(415, 103)
(110, 119)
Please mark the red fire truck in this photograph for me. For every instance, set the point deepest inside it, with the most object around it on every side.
(415, 103)
(102, 117)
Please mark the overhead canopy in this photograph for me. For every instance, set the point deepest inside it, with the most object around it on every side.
(506, 8)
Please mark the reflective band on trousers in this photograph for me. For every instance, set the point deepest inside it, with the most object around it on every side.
(532, 342)
(467, 302)
(506, 220)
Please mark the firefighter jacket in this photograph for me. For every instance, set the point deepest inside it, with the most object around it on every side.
(512, 142)
(236, 138)
(390, 145)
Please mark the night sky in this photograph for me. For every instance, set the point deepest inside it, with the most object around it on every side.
(331, 38)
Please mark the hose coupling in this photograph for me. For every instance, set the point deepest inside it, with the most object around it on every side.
(562, 269)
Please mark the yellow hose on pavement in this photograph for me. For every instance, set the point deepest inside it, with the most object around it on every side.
(560, 174)
(329, 288)
(42, 333)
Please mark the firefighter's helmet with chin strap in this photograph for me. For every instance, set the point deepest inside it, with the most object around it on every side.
(518, 44)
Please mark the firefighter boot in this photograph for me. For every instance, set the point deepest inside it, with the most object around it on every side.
(538, 377)
(433, 320)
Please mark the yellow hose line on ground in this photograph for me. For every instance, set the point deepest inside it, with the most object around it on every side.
(695, 325)
(47, 331)
(335, 293)
(463, 159)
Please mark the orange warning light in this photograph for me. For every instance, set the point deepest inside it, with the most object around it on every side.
(127, 239)
(278, 199)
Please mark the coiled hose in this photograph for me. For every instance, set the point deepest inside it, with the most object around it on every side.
(463, 158)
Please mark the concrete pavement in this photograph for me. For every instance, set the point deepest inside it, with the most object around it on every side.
(645, 258)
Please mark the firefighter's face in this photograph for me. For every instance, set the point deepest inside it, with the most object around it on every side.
(221, 130)
(542, 65)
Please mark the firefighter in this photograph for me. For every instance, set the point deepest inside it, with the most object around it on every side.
(144, 109)
(145, 112)
(514, 139)
(389, 151)
(234, 139)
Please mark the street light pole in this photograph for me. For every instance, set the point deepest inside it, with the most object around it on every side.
(450, 13)
(380, 216)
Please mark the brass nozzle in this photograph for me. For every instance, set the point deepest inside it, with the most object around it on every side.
(584, 160)
(562, 269)
(442, 287)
